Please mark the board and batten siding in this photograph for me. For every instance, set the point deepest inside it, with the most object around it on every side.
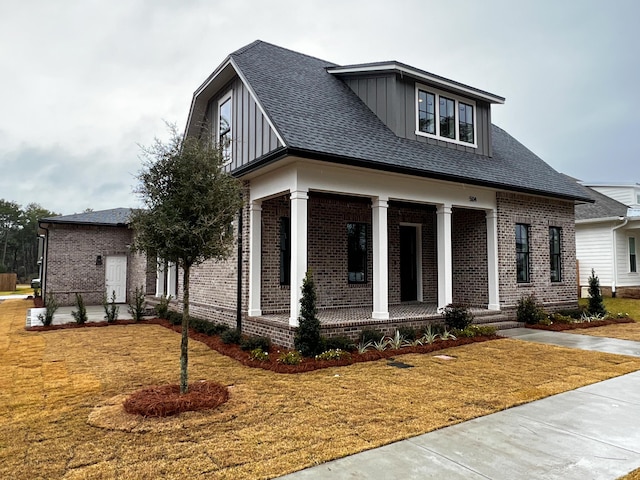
(594, 249)
(393, 100)
(252, 136)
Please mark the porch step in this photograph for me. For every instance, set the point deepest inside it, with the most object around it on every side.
(499, 321)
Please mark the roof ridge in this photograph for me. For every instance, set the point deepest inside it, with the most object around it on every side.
(255, 43)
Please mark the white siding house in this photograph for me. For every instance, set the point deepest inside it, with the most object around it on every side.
(608, 241)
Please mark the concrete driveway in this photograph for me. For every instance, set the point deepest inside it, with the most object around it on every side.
(589, 433)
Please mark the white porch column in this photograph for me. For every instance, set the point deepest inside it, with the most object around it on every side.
(380, 259)
(298, 250)
(161, 288)
(492, 260)
(255, 258)
(445, 276)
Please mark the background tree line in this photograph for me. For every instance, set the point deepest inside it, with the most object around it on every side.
(19, 238)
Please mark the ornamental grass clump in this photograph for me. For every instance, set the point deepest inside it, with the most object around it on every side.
(137, 304)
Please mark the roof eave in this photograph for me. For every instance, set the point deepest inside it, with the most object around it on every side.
(313, 155)
(396, 67)
(599, 220)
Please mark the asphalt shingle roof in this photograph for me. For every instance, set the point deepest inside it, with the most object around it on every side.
(603, 207)
(314, 111)
(112, 217)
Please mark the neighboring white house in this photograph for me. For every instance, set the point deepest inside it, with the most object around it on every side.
(608, 239)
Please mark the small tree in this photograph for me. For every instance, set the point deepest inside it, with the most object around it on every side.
(596, 304)
(80, 315)
(308, 340)
(190, 203)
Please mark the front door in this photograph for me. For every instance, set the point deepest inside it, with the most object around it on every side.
(116, 277)
(408, 264)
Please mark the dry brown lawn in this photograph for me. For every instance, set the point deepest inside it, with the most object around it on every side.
(61, 394)
(623, 331)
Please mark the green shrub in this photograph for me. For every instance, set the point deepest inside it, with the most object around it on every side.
(137, 304)
(80, 316)
(475, 331)
(110, 308)
(231, 336)
(370, 335)
(290, 358)
(253, 343)
(529, 311)
(333, 354)
(51, 306)
(259, 355)
(408, 333)
(457, 315)
(204, 326)
(575, 313)
(560, 318)
(338, 343)
(174, 318)
(596, 304)
(162, 309)
(307, 339)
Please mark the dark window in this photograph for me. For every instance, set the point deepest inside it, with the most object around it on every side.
(633, 266)
(522, 252)
(465, 122)
(426, 112)
(555, 254)
(447, 118)
(224, 129)
(285, 251)
(357, 251)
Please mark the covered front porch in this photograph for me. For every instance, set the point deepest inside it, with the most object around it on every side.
(449, 230)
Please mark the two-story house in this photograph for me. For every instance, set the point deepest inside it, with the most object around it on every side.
(389, 182)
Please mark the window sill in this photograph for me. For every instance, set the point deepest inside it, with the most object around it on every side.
(358, 284)
(445, 139)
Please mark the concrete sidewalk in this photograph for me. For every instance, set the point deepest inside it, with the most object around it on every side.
(592, 432)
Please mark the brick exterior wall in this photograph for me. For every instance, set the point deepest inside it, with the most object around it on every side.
(71, 261)
(539, 214)
(214, 285)
(469, 257)
(274, 297)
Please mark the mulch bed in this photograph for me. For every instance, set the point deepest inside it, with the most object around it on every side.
(166, 400)
(559, 327)
(307, 365)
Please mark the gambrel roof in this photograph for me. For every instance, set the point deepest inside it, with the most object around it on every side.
(318, 116)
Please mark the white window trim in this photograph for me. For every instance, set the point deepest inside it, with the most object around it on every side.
(223, 99)
(635, 254)
(457, 100)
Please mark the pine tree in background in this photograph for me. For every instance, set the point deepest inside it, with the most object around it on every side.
(596, 305)
(308, 340)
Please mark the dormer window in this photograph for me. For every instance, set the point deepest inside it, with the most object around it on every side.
(445, 116)
(224, 127)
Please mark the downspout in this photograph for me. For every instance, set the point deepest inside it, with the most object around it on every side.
(45, 263)
(615, 254)
(239, 286)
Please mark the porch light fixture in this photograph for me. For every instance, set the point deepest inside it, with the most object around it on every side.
(99, 260)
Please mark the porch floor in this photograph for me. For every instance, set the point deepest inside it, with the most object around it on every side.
(355, 315)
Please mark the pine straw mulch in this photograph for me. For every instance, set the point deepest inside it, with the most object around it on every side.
(561, 327)
(307, 365)
(166, 400)
(61, 396)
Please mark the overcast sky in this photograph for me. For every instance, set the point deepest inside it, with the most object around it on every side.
(85, 82)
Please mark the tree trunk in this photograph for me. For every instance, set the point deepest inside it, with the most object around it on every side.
(184, 347)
